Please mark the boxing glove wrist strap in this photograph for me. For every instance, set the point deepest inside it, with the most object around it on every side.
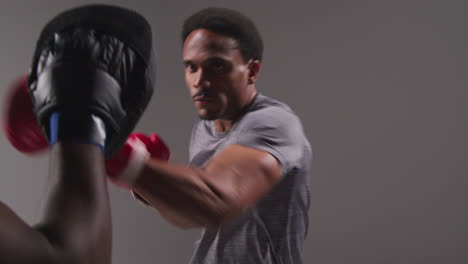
(135, 164)
(78, 127)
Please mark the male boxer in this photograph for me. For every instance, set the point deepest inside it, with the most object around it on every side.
(90, 81)
(247, 183)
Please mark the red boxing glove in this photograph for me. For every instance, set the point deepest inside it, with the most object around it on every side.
(125, 166)
(20, 125)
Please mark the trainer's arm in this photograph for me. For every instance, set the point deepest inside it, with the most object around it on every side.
(229, 183)
(76, 227)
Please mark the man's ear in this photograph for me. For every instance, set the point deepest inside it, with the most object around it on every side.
(254, 70)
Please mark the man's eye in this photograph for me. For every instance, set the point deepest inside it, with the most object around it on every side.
(190, 67)
(218, 67)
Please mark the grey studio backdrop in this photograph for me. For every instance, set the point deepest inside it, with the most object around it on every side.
(381, 88)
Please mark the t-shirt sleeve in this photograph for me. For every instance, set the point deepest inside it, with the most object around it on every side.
(276, 131)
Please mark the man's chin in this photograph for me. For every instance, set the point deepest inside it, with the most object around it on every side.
(207, 115)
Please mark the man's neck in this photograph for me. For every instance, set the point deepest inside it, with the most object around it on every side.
(223, 125)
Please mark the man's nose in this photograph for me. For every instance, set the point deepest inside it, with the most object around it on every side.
(201, 80)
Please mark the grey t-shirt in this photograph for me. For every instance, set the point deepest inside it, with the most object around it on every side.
(272, 231)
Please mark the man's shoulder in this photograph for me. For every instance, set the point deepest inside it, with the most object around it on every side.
(269, 111)
(262, 102)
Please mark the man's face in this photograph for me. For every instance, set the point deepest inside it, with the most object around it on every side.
(215, 74)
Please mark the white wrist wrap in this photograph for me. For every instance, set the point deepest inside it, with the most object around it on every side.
(136, 162)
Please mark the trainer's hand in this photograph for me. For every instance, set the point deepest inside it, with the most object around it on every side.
(20, 125)
(125, 167)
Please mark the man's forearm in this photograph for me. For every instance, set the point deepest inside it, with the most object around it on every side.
(228, 184)
(184, 196)
(77, 215)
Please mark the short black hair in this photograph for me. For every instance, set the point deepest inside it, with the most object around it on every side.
(229, 23)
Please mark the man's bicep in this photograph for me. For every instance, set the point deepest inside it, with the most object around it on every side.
(275, 131)
(242, 174)
(20, 243)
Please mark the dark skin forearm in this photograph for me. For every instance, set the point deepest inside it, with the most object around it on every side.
(77, 215)
(76, 227)
(229, 183)
(182, 195)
